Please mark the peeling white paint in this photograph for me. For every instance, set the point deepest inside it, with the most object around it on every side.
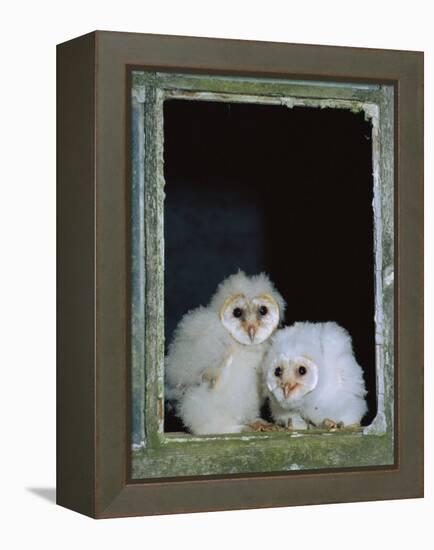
(372, 113)
(389, 275)
(291, 102)
(378, 426)
(137, 446)
(139, 93)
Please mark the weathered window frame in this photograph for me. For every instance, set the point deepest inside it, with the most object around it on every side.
(156, 454)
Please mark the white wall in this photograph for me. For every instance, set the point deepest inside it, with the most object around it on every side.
(27, 120)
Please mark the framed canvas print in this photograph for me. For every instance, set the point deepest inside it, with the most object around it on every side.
(240, 274)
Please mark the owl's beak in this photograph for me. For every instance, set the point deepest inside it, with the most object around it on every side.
(288, 387)
(251, 331)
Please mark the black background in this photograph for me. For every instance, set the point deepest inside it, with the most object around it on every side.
(267, 188)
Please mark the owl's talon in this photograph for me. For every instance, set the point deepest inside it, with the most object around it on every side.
(331, 425)
(262, 426)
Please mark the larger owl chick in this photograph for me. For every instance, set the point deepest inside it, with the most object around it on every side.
(213, 365)
(312, 377)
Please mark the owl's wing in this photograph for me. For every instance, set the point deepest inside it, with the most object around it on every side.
(340, 353)
(200, 344)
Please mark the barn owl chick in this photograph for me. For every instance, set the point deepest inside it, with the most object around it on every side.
(312, 377)
(213, 364)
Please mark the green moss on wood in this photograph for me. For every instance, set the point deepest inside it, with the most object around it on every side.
(280, 452)
(257, 86)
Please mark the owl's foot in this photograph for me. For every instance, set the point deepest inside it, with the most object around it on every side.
(260, 425)
(331, 425)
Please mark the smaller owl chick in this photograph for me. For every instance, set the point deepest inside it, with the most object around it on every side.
(213, 367)
(312, 377)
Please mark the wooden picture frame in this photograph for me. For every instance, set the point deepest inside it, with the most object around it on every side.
(111, 342)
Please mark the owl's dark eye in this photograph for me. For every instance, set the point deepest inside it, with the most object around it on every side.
(263, 310)
(278, 372)
(302, 370)
(237, 312)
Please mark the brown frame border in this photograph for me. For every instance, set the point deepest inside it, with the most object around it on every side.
(93, 229)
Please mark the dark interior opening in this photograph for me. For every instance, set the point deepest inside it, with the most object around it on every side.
(267, 188)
